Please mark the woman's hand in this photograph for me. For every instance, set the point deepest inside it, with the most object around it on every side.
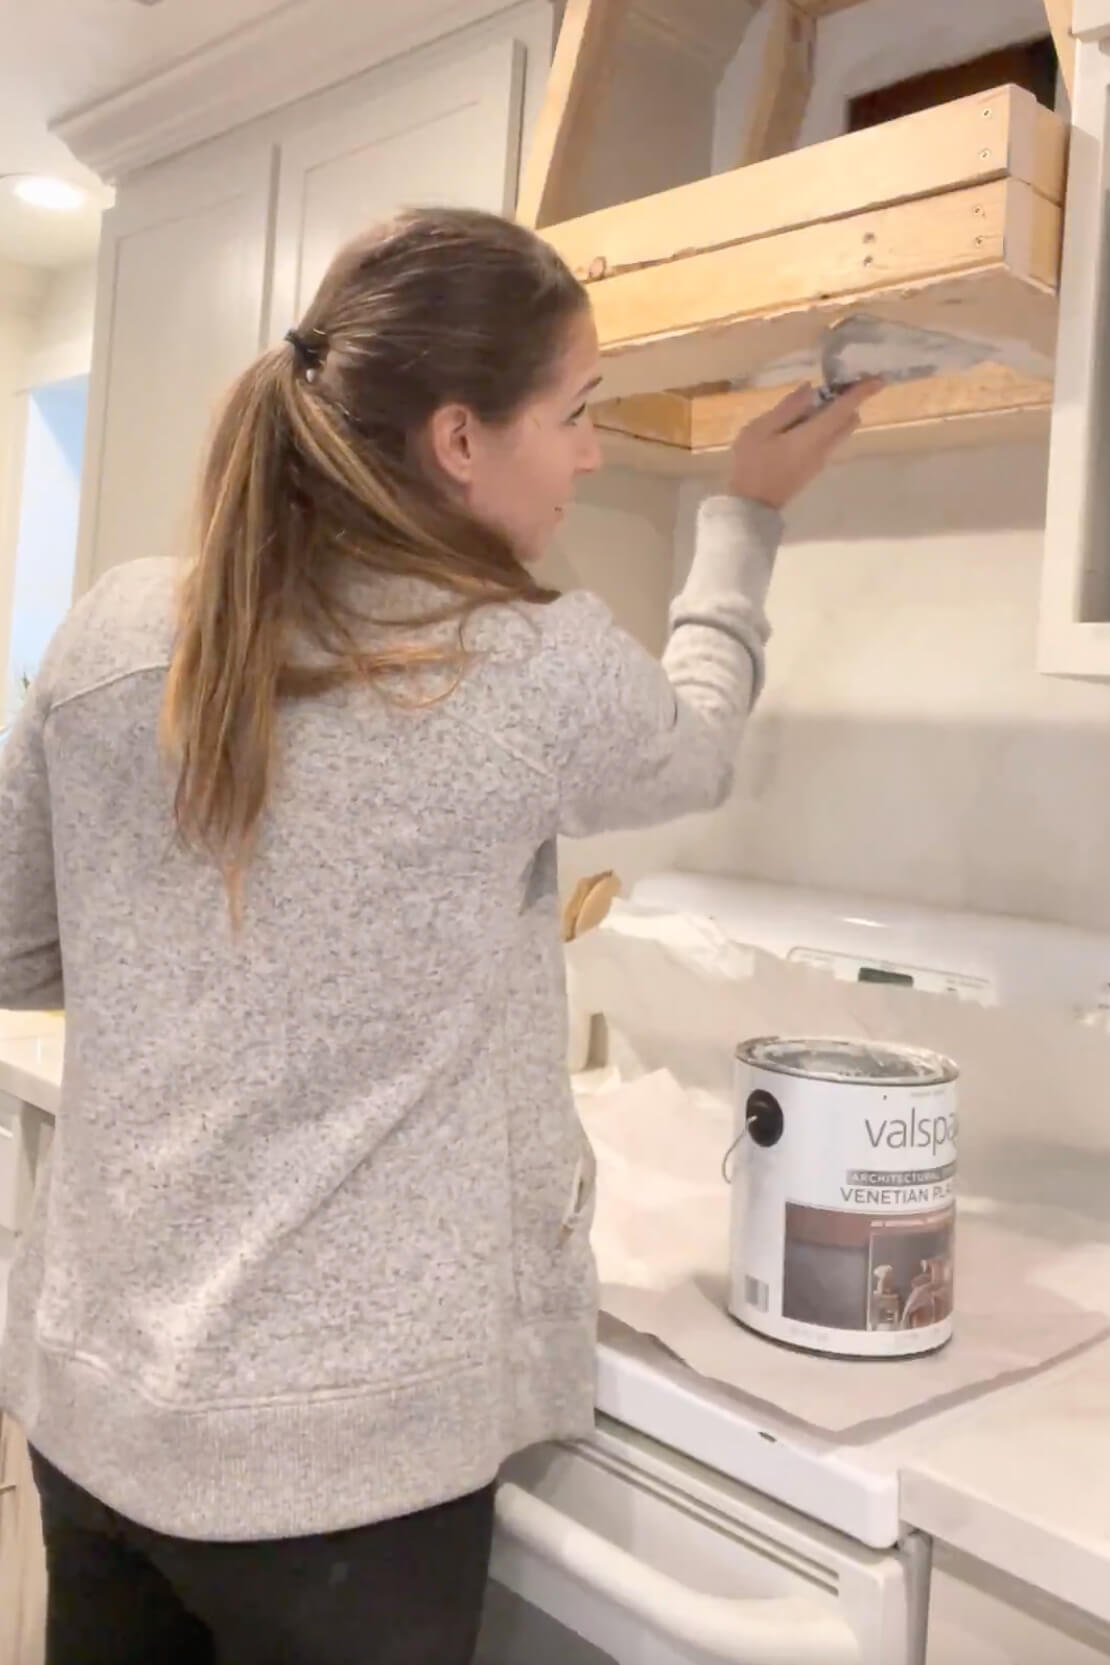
(779, 453)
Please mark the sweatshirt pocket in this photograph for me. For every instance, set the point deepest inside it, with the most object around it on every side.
(554, 1195)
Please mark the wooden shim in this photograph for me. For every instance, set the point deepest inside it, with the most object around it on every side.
(580, 71)
(972, 140)
(1059, 14)
(778, 107)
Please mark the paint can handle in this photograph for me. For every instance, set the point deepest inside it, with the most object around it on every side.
(763, 1124)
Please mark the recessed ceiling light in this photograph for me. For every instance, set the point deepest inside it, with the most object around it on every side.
(58, 196)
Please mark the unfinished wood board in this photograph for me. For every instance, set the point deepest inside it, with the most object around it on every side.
(715, 419)
(1059, 14)
(1023, 423)
(584, 59)
(1005, 133)
(731, 313)
(710, 421)
(778, 105)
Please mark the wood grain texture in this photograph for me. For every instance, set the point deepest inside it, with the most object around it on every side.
(940, 431)
(774, 119)
(1003, 133)
(1059, 15)
(978, 260)
(582, 66)
(988, 389)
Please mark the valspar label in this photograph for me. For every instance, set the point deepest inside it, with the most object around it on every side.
(843, 1226)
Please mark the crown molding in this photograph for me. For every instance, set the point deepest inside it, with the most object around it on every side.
(303, 47)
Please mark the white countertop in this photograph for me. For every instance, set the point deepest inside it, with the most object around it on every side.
(31, 1050)
(1019, 1479)
(1022, 1481)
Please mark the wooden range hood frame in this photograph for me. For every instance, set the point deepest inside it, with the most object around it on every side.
(951, 218)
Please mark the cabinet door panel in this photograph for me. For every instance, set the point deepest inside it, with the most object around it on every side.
(180, 311)
(449, 136)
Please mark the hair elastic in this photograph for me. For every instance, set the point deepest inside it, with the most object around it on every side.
(310, 358)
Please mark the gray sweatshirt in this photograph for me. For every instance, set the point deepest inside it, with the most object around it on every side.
(312, 1247)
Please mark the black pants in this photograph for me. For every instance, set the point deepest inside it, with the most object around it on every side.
(406, 1592)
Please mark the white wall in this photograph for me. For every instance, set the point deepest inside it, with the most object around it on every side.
(46, 544)
(46, 322)
(905, 745)
(19, 295)
(61, 345)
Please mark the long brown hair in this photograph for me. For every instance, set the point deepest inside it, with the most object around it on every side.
(311, 479)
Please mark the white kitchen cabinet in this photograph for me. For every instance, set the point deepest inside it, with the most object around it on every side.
(447, 137)
(1075, 596)
(209, 256)
(181, 291)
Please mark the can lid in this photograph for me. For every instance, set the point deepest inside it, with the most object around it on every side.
(870, 1063)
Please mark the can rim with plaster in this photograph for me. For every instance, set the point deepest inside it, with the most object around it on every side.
(892, 1065)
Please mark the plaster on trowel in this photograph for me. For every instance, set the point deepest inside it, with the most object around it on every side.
(861, 346)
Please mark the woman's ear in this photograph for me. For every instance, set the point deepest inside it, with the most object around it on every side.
(449, 439)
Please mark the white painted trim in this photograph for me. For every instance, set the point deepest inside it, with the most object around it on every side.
(1091, 19)
(1068, 644)
(276, 60)
(11, 508)
(59, 363)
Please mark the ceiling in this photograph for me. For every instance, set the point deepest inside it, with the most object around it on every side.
(67, 54)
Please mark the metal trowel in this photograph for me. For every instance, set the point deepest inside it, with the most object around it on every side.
(862, 345)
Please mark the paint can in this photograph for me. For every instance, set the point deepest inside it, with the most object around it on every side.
(843, 1218)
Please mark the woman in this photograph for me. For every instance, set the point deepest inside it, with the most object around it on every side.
(312, 1256)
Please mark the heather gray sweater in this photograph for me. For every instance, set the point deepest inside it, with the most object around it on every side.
(312, 1247)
